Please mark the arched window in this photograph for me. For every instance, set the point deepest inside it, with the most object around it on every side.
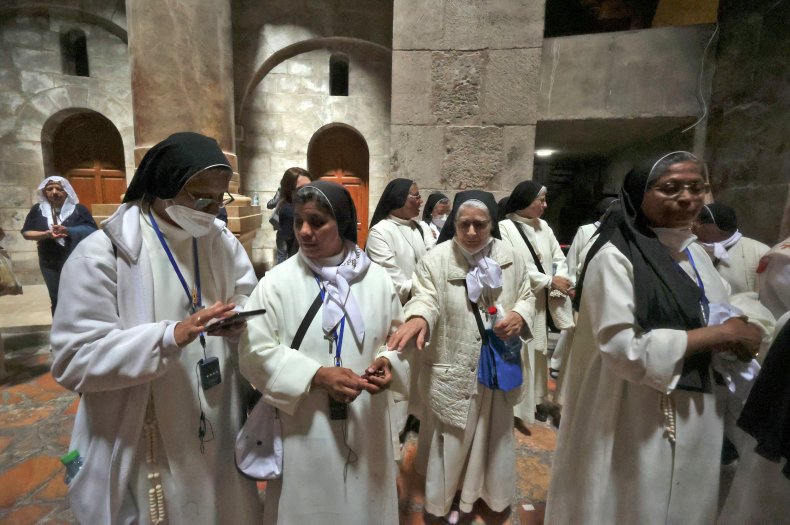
(338, 76)
(74, 52)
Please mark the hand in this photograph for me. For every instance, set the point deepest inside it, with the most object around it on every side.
(743, 339)
(509, 326)
(187, 330)
(414, 327)
(341, 384)
(561, 283)
(59, 231)
(378, 375)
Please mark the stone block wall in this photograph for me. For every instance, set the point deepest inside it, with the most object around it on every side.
(748, 140)
(465, 79)
(34, 93)
(291, 104)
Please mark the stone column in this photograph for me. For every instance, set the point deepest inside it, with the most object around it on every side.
(747, 128)
(182, 80)
(465, 78)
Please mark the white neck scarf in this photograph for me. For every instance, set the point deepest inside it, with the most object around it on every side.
(719, 249)
(484, 272)
(676, 239)
(338, 299)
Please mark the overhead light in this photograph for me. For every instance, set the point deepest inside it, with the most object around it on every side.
(544, 152)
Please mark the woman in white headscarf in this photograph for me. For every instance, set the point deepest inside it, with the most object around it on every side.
(333, 392)
(466, 448)
(58, 222)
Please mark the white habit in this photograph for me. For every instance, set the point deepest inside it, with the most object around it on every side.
(740, 269)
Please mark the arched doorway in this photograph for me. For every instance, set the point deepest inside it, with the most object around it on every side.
(339, 153)
(87, 149)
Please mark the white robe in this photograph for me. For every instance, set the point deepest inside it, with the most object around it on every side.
(217, 493)
(740, 270)
(312, 489)
(580, 245)
(614, 462)
(552, 259)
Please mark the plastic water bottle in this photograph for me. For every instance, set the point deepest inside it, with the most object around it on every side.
(255, 199)
(73, 463)
(512, 344)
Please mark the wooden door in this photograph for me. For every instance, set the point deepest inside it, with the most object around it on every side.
(359, 194)
(97, 184)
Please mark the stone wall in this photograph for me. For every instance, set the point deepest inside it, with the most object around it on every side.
(464, 92)
(748, 134)
(34, 92)
(291, 44)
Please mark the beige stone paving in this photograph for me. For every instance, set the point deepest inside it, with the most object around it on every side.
(27, 312)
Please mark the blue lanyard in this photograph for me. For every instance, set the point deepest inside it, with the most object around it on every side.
(337, 338)
(194, 297)
(704, 302)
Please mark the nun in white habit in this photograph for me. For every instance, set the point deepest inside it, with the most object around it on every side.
(332, 393)
(641, 433)
(466, 448)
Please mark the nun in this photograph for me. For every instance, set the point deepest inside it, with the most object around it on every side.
(58, 222)
(465, 448)
(434, 214)
(735, 257)
(396, 240)
(156, 438)
(333, 392)
(641, 433)
(533, 240)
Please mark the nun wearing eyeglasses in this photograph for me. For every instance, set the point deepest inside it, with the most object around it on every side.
(157, 444)
(642, 426)
(533, 240)
(466, 448)
(333, 392)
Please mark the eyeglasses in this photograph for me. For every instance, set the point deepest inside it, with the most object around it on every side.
(204, 203)
(477, 225)
(417, 196)
(674, 189)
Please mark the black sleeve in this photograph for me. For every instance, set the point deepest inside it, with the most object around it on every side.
(34, 220)
(85, 216)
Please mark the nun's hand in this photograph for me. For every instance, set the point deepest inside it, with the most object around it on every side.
(187, 330)
(60, 231)
(416, 327)
(378, 375)
(342, 384)
(509, 326)
(563, 284)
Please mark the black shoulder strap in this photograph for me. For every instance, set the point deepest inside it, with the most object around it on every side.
(478, 319)
(549, 320)
(531, 249)
(308, 318)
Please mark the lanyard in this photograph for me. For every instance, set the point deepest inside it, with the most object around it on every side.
(194, 297)
(334, 337)
(704, 303)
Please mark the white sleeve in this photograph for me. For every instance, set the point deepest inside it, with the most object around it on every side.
(282, 375)
(654, 358)
(93, 351)
(381, 253)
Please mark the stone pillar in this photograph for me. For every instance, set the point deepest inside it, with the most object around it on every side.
(747, 128)
(465, 78)
(182, 80)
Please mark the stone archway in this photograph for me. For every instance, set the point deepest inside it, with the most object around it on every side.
(339, 153)
(87, 149)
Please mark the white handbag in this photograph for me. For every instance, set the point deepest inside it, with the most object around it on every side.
(259, 444)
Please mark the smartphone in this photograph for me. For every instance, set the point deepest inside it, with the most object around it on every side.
(237, 318)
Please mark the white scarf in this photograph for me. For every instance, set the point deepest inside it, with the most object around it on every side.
(46, 208)
(484, 272)
(719, 249)
(338, 299)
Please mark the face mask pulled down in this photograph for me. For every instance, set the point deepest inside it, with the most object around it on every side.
(196, 223)
(439, 220)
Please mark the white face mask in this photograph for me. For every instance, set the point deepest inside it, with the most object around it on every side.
(439, 220)
(196, 223)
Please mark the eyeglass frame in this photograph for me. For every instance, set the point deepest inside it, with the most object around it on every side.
(203, 203)
(683, 186)
(417, 196)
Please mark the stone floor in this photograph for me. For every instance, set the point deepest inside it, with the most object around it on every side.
(36, 417)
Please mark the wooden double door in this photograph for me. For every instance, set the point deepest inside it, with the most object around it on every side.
(358, 189)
